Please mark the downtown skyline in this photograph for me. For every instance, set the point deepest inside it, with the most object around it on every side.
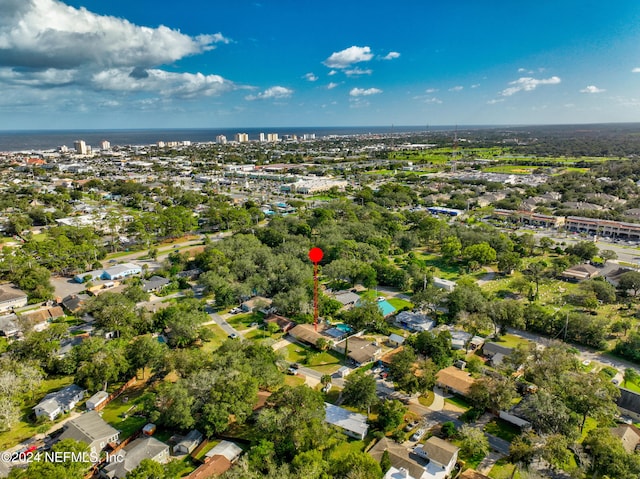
(199, 64)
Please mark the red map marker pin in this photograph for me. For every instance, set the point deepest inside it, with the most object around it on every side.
(315, 255)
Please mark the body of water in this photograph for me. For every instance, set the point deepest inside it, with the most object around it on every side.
(37, 140)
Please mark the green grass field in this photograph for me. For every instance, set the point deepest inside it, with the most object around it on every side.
(127, 403)
(400, 303)
(219, 337)
(243, 321)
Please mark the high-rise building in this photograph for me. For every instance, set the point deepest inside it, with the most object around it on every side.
(242, 137)
(262, 138)
(272, 137)
(80, 146)
(105, 145)
(221, 139)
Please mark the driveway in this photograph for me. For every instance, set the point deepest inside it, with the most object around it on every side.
(217, 319)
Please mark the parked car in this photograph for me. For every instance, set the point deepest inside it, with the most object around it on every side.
(233, 336)
(292, 371)
(410, 426)
(419, 434)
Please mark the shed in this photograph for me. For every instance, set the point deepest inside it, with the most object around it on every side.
(188, 443)
(96, 400)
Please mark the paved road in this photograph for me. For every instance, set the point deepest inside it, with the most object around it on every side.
(584, 352)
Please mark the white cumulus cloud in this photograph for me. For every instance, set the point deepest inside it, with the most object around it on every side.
(592, 89)
(528, 84)
(349, 56)
(636, 70)
(273, 93)
(357, 72)
(311, 77)
(332, 85)
(183, 85)
(50, 34)
(391, 56)
(364, 92)
(456, 88)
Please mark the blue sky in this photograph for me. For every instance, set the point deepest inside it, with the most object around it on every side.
(205, 63)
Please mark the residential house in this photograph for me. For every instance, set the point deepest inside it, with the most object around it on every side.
(306, 333)
(255, 304)
(212, 467)
(459, 339)
(454, 380)
(75, 302)
(39, 318)
(404, 464)
(442, 456)
(11, 297)
(92, 429)
(360, 351)
(188, 443)
(352, 424)
(612, 275)
(630, 437)
(96, 400)
(55, 403)
(395, 340)
(155, 283)
(347, 298)
(629, 403)
(132, 455)
(283, 323)
(580, 272)
(495, 353)
(9, 326)
(414, 321)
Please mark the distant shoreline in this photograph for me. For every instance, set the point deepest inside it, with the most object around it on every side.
(42, 140)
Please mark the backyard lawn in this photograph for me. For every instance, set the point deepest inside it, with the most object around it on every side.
(502, 429)
(244, 321)
(399, 304)
(126, 404)
(219, 337)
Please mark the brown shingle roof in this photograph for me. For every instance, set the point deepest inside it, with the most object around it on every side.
(456, 379)
(215, 466)
(439, 450)
(472, 474)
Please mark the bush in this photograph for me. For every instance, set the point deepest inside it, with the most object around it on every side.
(399, 436)
(471, 415)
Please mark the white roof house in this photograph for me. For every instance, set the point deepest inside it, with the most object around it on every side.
(228, 449)
(445, 284)
(55, 403)
(353, 424)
